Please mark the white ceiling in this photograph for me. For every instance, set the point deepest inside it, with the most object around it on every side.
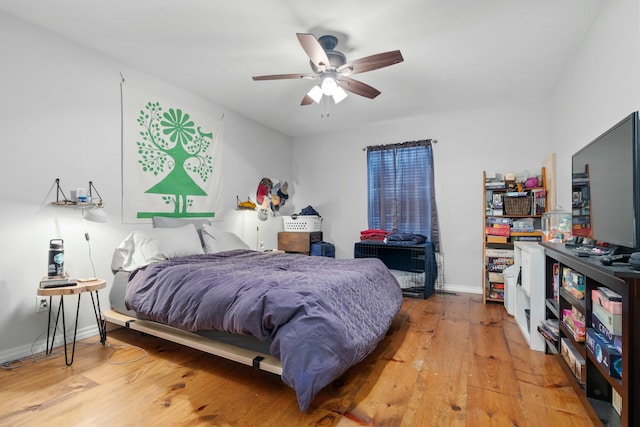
(458, 54)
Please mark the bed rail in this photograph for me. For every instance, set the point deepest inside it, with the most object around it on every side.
(265, 362)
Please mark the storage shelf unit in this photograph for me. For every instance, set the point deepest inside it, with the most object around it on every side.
(497, 245)
(599, 387)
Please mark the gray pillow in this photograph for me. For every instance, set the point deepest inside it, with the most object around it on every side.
(168, 222)
(218, 241)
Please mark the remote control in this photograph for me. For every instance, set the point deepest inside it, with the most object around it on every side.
(610, 259)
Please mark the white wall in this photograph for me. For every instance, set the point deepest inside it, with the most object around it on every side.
(331, 175)
(60, 118)
(600, 87)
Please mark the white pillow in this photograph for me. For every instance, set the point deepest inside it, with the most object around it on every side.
(218, 241)
(143, 247)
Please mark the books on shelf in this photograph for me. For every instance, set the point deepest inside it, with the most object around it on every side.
(498, 267)
(494, 183)
(498, 259)
(526, 238)
(499, 253)
(538, 201)
(496, 290)
(578, 179)
(556, 280)
(550, 330)
(574, 360)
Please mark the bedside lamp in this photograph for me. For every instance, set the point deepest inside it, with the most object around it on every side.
(94, 215)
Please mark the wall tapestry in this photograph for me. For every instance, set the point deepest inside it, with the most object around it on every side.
(171, 160)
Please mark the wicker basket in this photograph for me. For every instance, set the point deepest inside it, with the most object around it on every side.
(517, 205)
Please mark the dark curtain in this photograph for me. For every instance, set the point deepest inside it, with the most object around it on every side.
(401, 189)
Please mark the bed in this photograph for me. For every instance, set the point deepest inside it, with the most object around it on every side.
(305, 318)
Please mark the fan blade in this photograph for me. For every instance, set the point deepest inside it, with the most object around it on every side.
(358, 87)
(314, 50)
(373, 62)
(306, 100)
(285, 76)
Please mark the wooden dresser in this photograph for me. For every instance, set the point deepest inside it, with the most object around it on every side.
(298, 242)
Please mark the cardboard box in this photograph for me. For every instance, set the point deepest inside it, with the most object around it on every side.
(600, 298)
(497, 231)
(573, 282)
(574, 360)
(499, 253)
(574, 321)
(556, 281)
(605, 353)
(497, 239)
(613, 322)
(498, 220)
(616, 401)
(600, 328)
(496, 277)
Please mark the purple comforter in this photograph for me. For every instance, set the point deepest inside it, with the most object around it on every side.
(323, 315)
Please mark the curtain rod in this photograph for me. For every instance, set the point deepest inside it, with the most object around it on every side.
(432, 141)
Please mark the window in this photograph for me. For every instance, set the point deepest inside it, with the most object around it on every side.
(401, 189)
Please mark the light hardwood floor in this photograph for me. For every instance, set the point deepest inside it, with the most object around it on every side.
(446, 361)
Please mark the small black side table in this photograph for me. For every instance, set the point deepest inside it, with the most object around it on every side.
(92, 287)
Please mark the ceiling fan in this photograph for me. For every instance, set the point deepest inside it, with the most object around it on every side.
(333, 70)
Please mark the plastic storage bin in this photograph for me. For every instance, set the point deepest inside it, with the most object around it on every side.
(510, 280)
(556, 226)
(302, 223)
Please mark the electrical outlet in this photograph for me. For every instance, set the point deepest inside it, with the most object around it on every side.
(42, 304)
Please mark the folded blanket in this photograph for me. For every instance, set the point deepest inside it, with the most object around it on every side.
(406, 238)
(373, 234)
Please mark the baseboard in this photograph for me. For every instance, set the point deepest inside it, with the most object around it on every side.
(25, 351)
(448, 287)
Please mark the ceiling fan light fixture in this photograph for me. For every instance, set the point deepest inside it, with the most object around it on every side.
(339, 94)
(315, 93)
(329, 86)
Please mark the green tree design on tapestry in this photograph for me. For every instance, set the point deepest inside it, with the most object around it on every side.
(171, 142)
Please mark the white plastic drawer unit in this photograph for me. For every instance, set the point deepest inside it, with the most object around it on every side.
(532, 260)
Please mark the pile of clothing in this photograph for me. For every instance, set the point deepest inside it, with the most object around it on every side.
(373, 234)
(393, 238)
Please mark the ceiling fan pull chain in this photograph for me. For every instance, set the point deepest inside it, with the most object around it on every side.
(325, 106)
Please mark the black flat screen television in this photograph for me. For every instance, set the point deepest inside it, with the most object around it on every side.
(606, 187)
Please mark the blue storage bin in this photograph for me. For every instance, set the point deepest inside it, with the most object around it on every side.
(323, 249)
